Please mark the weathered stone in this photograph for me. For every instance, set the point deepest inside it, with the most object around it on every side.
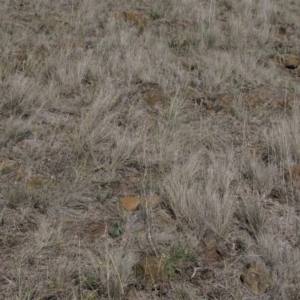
(154, 97)
(7, 166)
(37, 181)
(150, 270)
(256, 278)
(291, 61)
(208, 247)
(130, 203)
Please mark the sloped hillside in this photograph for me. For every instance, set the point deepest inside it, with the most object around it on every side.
(150, 149)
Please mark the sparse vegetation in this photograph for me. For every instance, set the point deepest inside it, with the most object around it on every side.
(149, 149)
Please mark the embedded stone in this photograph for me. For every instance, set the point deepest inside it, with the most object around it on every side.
(130, 203)
(291, 61)
(256, 278)
(150, 270)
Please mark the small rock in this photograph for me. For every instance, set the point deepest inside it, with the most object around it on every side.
(291, 61)
(152, 94)
(7, 166)
(154, 98)
(208, 247)
(130, 203)
(256, 278)
(37, 181)
(150, 270)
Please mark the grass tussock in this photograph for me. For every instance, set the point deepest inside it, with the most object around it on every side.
(186, 110)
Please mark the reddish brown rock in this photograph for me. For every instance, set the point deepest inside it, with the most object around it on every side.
(154, 98)
(150, 270)
(291, 61)
(130, 203)
(256, 278)
(208, 247)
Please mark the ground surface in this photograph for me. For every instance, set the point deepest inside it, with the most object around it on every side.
(149, 149)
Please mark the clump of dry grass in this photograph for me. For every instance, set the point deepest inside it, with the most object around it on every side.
(111, 100)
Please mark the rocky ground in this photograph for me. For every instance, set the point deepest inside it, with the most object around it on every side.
(149, 149)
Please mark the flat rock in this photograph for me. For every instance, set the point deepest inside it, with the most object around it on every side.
(150, 270)
(154, 98)
(152, 94)
(208, 247)
(291, 61)
(256, 278)
(130, 203)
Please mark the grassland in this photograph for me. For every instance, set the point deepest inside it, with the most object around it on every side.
(149, 149)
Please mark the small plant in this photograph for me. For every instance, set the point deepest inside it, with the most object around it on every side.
(116, 230)
(179, 256)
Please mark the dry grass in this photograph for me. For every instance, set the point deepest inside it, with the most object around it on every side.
(187, 101)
